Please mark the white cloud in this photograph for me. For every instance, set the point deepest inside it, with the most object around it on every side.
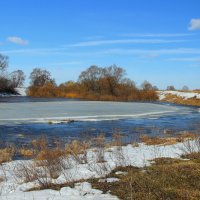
(123, 41)
(65, 63)
(114, 51)
(194, 24)
(157, 52)
(17, 40)
(166, 35)
(193, 59)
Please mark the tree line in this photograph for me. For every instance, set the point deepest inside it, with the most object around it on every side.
(9, 81)
(94, 83)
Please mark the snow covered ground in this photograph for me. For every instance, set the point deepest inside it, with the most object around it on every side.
(21, 91)
(13, 188)
(184, 95)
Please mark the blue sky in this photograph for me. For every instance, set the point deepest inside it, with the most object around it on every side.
(153, 40)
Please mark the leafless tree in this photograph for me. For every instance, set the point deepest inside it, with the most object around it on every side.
(90, 77)
(113, 75)
(185, 88)
(17, 78)
(147, 85)
(40, 77)
(171, 87)
(3, 62)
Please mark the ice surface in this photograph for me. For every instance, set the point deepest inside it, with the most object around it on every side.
(79, 110)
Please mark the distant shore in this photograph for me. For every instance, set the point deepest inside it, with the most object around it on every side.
(191, 98)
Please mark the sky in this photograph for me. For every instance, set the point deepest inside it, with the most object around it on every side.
(152, 40)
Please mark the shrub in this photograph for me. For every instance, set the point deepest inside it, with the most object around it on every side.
(78, 150)
(6, 154)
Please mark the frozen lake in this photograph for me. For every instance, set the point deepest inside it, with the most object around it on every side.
(80, 110)
(24, 119)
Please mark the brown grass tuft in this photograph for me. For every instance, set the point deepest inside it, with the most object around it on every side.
(179, 100)
(166, 179)
(157, 140)
(78, 150)
(27, 153)
(6, 154)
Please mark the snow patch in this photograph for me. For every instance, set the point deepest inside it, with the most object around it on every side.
(184, 95)
(12, 189)
(20, 91)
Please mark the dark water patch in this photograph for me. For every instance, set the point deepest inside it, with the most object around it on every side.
(186, 119)
(22, 134)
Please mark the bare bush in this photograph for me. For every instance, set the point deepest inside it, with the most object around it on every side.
(99, 150)
(191, 145)
(40, 144)
(101, 169)
(6, 154)
(3, 178)
(68, 169)
(117, 139)
(78, 150)
(46, 166)
(24, 171)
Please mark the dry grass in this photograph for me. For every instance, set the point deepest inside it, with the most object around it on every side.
(47, 165)
(179, 100)
(157, 140)
(78, 150)
(1, 179)
(192, 156)
(99, 143)
(117, 139)
(27, 153)
(6, 154)
(167, 140)
(166, 179)
(135, 144)
(185, 136)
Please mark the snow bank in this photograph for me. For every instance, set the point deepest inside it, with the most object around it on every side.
(13, 189)
(81, 191)
(20, 91)
(184, 95)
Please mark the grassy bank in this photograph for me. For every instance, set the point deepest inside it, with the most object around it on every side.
(157, 168)
(180, 97)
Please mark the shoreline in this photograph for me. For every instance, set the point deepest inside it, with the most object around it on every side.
(84, 166)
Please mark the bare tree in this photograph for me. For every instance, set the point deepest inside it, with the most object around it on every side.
(114, 71)
(113, 76)
(90, 77)
(40, 77)
(147, 85)
(155, 88)
(3, 62)
(17, 78)
(171, 87)
(185, 88)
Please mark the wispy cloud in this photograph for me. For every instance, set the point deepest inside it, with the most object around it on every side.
(194, 24)
(156, 52)
(158, 35)
(193, 59)
(35, 51)
(64, 63)
(123, 41)
(110, 51)
(94, 37)
(17, 40)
